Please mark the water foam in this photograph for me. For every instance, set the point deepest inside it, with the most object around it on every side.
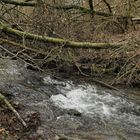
(94, 102)
(86, 100)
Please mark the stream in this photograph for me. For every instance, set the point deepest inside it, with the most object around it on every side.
(72, 110)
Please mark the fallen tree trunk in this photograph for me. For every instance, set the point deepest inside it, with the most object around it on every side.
(59, 41)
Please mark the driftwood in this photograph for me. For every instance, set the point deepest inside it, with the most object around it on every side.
(59, 41)
(3, 98)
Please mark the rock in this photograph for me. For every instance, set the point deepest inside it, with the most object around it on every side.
(74, 112)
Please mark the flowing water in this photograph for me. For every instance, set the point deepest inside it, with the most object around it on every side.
(96, 102)
(103, 114)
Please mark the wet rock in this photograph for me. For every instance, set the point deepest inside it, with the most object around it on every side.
(74, 112)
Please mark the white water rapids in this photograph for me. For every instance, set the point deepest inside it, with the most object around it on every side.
(92, 102)
(105, 114)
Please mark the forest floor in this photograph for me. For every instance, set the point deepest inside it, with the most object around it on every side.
(10, 126)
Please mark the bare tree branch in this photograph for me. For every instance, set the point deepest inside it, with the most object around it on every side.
(108, 5)
(20, 3)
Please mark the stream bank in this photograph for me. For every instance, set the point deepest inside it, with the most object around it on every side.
(115, 66)
(64, 109)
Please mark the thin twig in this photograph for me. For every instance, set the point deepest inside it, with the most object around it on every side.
(3, 98)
